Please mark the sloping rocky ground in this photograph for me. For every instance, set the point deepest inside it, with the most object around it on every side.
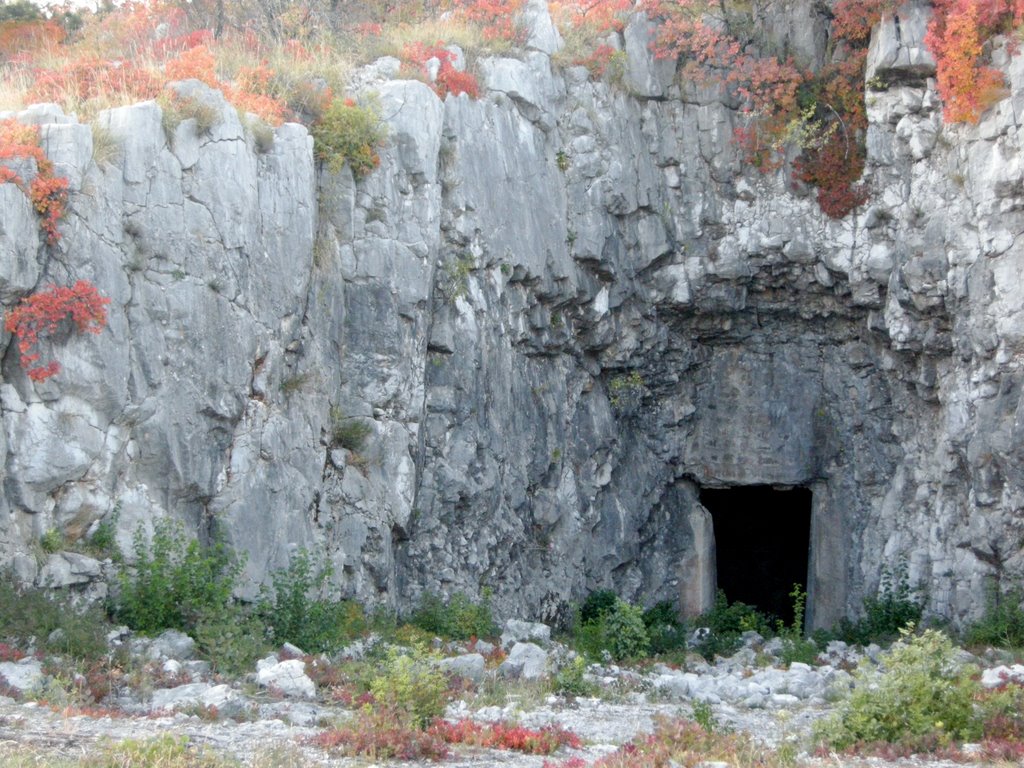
(268, 718)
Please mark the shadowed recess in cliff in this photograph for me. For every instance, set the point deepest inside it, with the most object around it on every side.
(762, 539)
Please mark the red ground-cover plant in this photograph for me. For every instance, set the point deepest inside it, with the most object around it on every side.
(542, 741)
(21, 36)
(48, 192)
(10, 653)
(449, 79)
(381, 736)
(42, 313)
(956, 36)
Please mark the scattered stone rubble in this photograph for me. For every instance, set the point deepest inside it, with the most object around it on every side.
(278, 705)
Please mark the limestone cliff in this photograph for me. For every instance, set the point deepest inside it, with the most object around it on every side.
(563, 309)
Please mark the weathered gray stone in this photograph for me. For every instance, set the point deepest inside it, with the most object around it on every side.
(470, 665)
(24, 675)
(525, 661)
(517, 630)
(66, 569)
(287, 677)
(172, 644)
(897, 52)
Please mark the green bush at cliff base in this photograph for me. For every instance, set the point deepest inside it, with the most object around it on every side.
(919, 696)
(175, 580)
(296, 610)
(460, 618)
(349, 134)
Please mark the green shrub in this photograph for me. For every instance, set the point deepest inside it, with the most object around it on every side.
(619, 632)
(411, 688)
(231, 638)
(32, 616)
(348, 134)
(665, 631)
(896, 605)
(796, 647)
(625, 633)
(726, 624)
(173, 581)
(919, 695)
(295, 613)
(348, 432)
(1003, 622)
(459, 619)
(52, 541)
(571, 680)
(598, 604)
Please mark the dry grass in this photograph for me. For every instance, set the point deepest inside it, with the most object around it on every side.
(393, 40)
(159, 752)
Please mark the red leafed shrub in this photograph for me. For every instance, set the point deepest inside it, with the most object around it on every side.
(42, 313)
(48, 193)
(49, 197)
(834, 169)
(10, 653)
(449, 79)
(381, 736)
(543, 741)
(956, 36)
(22, 36)
(853, 19)
(597, 15)
(196, 63)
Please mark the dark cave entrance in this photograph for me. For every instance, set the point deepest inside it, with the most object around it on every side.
(762, 544)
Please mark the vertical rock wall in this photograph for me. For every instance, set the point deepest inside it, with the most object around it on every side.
(561, 309)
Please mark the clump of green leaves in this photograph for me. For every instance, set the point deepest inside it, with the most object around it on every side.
(617, 631)
(885, 615)
(410, 688)
(52, 541)
(297, 612)
(1002, 624)
(34, 616)
(349, 134)
(726, 622)
(796, 647)
(665, 630)
(919, 695)
(231, 638)
(626, 393)
(460, 618)
(348, 432)
(174, 580)
(571, 679)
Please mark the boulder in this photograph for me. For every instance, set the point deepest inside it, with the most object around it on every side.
(287, 677)
(470, 665)
(525, 631)
(526, 661)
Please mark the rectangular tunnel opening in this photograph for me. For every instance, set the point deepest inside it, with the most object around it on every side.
(762, 544)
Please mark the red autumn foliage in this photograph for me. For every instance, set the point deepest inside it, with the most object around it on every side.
(449, 79)
(596, 15)
(89, 78)
(543, 741)
(42, 313)
(834, 169)
(496, 17)
(48, 192)
(853, 19)
(27, 36)
(956, 36)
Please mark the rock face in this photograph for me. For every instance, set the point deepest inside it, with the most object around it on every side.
(561, 310)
